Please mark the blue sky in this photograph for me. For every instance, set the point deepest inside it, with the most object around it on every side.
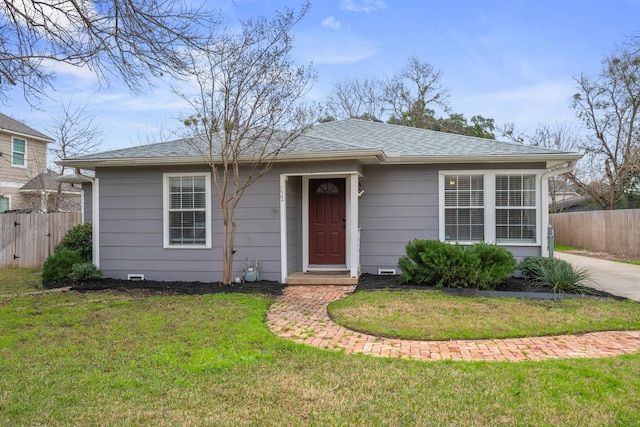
(511, 60)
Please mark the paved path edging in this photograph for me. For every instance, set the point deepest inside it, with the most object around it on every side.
(300, 315)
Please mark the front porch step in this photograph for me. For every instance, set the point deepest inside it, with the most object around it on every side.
(321, 278)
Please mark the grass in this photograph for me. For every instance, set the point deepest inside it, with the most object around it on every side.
(107, 358)
(629, 261)
(19, 280)
(560, 247)
(434, 315)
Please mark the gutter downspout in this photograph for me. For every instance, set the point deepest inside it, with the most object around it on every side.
(95, 216)
(544, 185)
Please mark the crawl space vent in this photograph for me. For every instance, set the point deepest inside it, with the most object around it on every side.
(386, 272)
(135, 277)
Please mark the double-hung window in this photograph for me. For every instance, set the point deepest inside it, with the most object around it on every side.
(491, 206)
(4, 203)
(464, 208)
(187, 210)
(516, 208)
(18, 152)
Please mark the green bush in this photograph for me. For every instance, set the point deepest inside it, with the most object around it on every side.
(57, 267)
(532, 264)
(558, 274)
(84, 272)
(496, 263)
(435, 263)
(79, 239)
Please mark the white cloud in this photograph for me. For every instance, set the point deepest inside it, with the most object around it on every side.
(346, 52)
(331, 23)
(362, 5)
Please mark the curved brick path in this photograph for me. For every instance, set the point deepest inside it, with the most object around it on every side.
(300, 314)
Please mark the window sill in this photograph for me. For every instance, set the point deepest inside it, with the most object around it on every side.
(186, 247)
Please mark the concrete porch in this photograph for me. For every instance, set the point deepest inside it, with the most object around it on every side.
(321, 278)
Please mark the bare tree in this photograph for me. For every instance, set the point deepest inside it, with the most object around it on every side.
(561, 137)
(248, 110)
(410, 98)
(609, 106)
(129, 39)
(76, 134)
(356, 99)
(413, 93)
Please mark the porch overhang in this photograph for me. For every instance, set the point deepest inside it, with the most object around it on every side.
(287, 235)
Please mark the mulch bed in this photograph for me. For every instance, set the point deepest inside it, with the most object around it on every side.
(265, 287)
(512, 285)
(367, 282)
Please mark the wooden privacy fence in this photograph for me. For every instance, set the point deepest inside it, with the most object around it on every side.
(26, 240)
(615, 232)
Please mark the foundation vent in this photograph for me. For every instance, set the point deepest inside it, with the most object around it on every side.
(386, 272)
(135, 277)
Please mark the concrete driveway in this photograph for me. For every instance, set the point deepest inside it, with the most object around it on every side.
(614, 277)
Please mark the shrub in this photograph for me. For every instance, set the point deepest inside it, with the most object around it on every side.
(57, 267)
(79, 239)
(84, 272)
(435, 263)
(532, 264)
(558, 274)
(495, 264)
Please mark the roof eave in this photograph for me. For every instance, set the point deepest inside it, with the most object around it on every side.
(378, 155)
(505, 158)
(91, 164)
(26, 135)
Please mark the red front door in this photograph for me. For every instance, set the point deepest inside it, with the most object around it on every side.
(327, 221)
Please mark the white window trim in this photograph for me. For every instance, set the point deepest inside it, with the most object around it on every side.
(490, 203)
(13, 139)
(165, 210)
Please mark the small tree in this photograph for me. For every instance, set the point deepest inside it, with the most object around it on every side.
(248, 110)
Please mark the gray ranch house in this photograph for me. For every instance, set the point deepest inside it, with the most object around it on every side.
(347, 196)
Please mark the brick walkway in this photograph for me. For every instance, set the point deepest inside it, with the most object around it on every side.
(300, 314)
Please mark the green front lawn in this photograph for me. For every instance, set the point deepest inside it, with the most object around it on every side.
(107, 358)
(434, 315)
(19, 280)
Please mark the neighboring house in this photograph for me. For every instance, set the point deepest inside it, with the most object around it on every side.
(567, 201)
(47, 194)
(348, 196)
(23, 157)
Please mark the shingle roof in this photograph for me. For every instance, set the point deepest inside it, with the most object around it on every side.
(47, 181)
(408, 141)
(11, 125)
(352, 136)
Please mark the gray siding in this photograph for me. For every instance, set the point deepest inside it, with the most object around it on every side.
(87, 194)
(131, 229)
(399, 203)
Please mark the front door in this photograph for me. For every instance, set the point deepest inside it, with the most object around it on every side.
(327, 221)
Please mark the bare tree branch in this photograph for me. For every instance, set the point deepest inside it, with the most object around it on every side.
(132, 40)
(76, 133)
(609, 107)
